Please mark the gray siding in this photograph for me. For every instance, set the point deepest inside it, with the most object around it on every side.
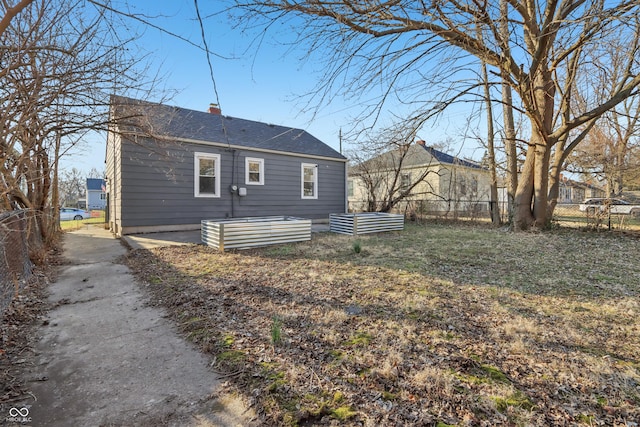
(158, 188)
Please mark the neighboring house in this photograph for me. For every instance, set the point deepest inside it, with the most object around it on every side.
(570, 191)
(96, 194)
(168, 168)
(434, 181)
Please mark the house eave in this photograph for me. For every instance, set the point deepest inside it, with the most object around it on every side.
(261, 150)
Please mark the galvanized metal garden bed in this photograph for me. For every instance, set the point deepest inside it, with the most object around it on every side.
(242, 233)
(365, 222)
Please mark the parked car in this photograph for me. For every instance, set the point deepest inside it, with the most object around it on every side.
(67, 214)
(614, 206)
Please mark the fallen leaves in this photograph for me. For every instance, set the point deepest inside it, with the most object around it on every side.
(402, 344)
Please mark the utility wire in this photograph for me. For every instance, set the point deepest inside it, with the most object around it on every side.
(213, 79)
(157, 27)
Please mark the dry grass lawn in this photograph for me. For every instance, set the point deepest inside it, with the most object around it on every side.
(435, 325)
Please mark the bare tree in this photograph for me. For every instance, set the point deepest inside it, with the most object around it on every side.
(491, 152)
(612, 146)
(72, 186)
(611, 151)
(389, 169)
(94, 173)
(9, 12)
(61, 61)
(543, 51)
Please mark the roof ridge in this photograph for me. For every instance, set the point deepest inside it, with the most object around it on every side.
(185, 123)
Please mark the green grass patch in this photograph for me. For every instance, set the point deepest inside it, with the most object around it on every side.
(495, 374)
(276, 331)
(517, 399)
(361, 339)
(228, 340)
(343, 413)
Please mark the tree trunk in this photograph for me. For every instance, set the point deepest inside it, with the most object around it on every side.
(494, 207)
(532, 198)
(523, 217)
(541, 185)
(509, 126)
(554, 182)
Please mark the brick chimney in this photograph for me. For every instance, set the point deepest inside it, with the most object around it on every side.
(214, 109)
(420, 142)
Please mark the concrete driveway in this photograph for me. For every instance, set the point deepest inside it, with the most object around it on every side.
(106, 358)
(156, 240)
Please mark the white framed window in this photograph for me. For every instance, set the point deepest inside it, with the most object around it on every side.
(350, 188)
(206, 175)
(405, 181)
(309, 181)
(254, 171)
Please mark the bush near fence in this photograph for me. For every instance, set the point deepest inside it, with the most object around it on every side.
(15, 266)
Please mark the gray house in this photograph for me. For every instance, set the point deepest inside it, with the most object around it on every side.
(168, 168)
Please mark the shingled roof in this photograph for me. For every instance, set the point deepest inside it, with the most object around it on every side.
(414, 155)
(166, 121)
(95, 184)
(449, 159)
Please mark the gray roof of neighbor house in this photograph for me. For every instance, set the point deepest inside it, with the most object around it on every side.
(95, 184)
(416, 155)
(159, 120)
(449, 159)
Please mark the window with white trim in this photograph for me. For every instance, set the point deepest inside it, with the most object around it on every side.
(254, 171)
(207, 175)
(405, 181)
(309, 181)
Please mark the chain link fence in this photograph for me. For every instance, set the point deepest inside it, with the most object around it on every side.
(564, 215)
(15, 266)
(425, 209)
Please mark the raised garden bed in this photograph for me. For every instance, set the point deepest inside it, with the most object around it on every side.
(365, 222)
(242, 233)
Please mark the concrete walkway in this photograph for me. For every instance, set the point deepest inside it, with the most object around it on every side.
(105, 358)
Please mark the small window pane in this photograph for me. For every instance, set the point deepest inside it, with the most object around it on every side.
(207, 185)
(308, 189)
(207, 167)
(308, 174)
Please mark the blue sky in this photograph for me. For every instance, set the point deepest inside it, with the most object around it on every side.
(261, 84)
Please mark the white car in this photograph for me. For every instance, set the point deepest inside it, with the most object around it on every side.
(614, 206)
(67, 214)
